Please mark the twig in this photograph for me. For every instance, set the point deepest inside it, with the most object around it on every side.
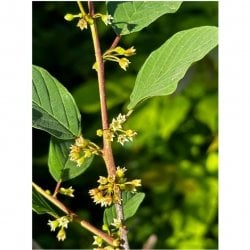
(57, 188)
(107, 149)
(115, 42)
(150, 243)
(66, 210)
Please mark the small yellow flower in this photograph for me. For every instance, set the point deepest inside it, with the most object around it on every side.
(99, 132)
(61, 234)
(53, 224)
(116, 223)
(63, 221)
(102, 180)
(120, 172)
(106, 19)
(67, 191)
(82, 24)
(119, 50)
(98, 241)
(80, 161)
(136, 182)
(130, 134)
(81, 142)
(121, 118)
(122, 139)
(132, 185)
(130, 51)
(124, 62)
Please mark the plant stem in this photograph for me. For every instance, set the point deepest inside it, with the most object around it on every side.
(81, 8)
(57, 188)
(66, 210)
(115, 42)
(107, 149)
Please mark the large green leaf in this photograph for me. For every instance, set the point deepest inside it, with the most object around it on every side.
(131, 203)
(167, 65)
(54, 109)
(60, 166)
(40, 205)
(132, 16)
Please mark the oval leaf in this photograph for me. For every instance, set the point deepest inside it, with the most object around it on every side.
(40, 205)
(167, 65)
(133, 16)
(53, 108)
(60, 166)
(131, 203)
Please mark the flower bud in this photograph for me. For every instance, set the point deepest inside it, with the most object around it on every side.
(99, 132)
(119, 50)
(67, 191)
(130, 51)
(69, 17)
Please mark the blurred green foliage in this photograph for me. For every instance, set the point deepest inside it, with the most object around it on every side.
(175, 151)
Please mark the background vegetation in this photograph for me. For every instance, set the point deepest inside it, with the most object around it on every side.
(175, 152)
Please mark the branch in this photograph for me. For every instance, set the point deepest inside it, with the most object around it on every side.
(107, 149)
(66, 210)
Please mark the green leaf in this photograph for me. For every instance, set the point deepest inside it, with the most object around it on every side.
(131, 203)
(133, 16)
(40, 205)
(167, 65)
(53, 108)
(60, 166)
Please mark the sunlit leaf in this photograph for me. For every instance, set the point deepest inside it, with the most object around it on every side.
(53, 108)
(167, 65)
(132, 16)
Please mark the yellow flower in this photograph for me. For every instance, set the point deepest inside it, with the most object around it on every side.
(61, 234)
(122, 139)
(106, 19)
(82, 24)
(53, 224)
(98, 241)
(130, 51)
(67, 191)
(124, 62)
(120, 172)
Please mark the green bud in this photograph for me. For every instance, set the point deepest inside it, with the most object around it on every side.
(69, 17)
(99, 132)
(105, 228)
(119, 50)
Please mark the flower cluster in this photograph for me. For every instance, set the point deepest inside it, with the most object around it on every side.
(82, 149)
(119, 54)
(116, 130)
(84, 20)
(113, 231)
(108, 191)
(62, 223)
